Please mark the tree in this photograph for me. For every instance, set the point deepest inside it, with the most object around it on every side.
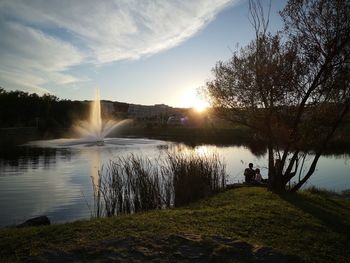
(291, 85)
(20, 109)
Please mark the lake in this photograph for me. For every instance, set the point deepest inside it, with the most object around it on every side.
(54, 178)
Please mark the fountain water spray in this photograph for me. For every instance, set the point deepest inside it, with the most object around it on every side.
(95, 117)
(91, 132)
(95, 129)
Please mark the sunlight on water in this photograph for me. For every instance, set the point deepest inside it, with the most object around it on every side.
(95, 166)
(203, 150)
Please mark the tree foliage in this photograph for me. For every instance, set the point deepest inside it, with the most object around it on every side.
(290, 87)
(20, 109)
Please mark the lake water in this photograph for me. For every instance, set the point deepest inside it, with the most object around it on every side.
(54, 178)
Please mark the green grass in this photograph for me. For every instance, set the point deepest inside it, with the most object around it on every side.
(313, 226)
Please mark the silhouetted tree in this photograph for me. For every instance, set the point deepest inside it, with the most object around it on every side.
(20, 109)
(289, 87)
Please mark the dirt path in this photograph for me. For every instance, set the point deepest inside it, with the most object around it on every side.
(173, 248)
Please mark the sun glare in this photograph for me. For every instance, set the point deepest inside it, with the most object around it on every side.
(192, 100)
(200, 105)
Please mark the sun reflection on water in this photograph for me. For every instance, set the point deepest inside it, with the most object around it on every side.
(95, 166)
(203, 150)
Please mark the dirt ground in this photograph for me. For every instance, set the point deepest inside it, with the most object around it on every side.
(173, 248)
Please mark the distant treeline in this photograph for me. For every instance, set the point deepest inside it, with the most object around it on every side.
(21, 109)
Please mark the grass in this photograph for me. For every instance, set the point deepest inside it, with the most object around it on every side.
(313, 226)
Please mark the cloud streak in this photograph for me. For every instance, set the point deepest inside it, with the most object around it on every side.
(29, 58)
(44, 39)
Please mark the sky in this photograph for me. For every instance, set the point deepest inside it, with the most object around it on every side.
(135, 51)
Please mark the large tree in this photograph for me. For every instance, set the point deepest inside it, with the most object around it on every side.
(290, 87)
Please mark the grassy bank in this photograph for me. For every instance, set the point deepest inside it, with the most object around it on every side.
(312, 226)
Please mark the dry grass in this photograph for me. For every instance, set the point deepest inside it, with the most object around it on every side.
(134, 184)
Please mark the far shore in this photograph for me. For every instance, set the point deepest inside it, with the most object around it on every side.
(236, 135)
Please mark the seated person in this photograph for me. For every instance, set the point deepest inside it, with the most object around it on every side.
(258, 177)
(249, 174)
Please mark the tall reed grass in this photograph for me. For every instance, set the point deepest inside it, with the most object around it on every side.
(133, 183)
(194, 177)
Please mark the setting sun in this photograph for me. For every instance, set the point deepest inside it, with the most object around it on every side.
(200, 105)
(192, 100)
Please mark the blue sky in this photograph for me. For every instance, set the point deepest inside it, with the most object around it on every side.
(135, 51)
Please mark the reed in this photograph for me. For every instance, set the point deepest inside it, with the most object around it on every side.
(195, 176)
(134, 183)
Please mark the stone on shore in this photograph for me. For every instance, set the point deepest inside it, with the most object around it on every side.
(36, 221)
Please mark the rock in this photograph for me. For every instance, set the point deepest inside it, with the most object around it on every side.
(269, 255)
(36, 221)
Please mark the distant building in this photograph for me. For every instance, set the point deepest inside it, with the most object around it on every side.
(147, 112)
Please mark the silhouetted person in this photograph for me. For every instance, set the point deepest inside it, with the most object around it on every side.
(249, 174)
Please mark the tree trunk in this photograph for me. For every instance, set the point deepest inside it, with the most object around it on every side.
(275, 178)
(279, 186)
(271, 173)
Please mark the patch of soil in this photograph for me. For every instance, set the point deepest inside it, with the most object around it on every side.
(173, 248)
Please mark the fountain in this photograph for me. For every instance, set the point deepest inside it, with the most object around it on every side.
(91, 132)
(95, 130)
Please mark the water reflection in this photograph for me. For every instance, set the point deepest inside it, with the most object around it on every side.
(57, 181)
(34, 190)
(95, 165)
(23, 157)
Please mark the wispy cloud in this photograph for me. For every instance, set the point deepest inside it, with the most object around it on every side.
(42, 39)
(29, 58)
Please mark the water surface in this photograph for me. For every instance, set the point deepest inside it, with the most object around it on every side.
(54, 178)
